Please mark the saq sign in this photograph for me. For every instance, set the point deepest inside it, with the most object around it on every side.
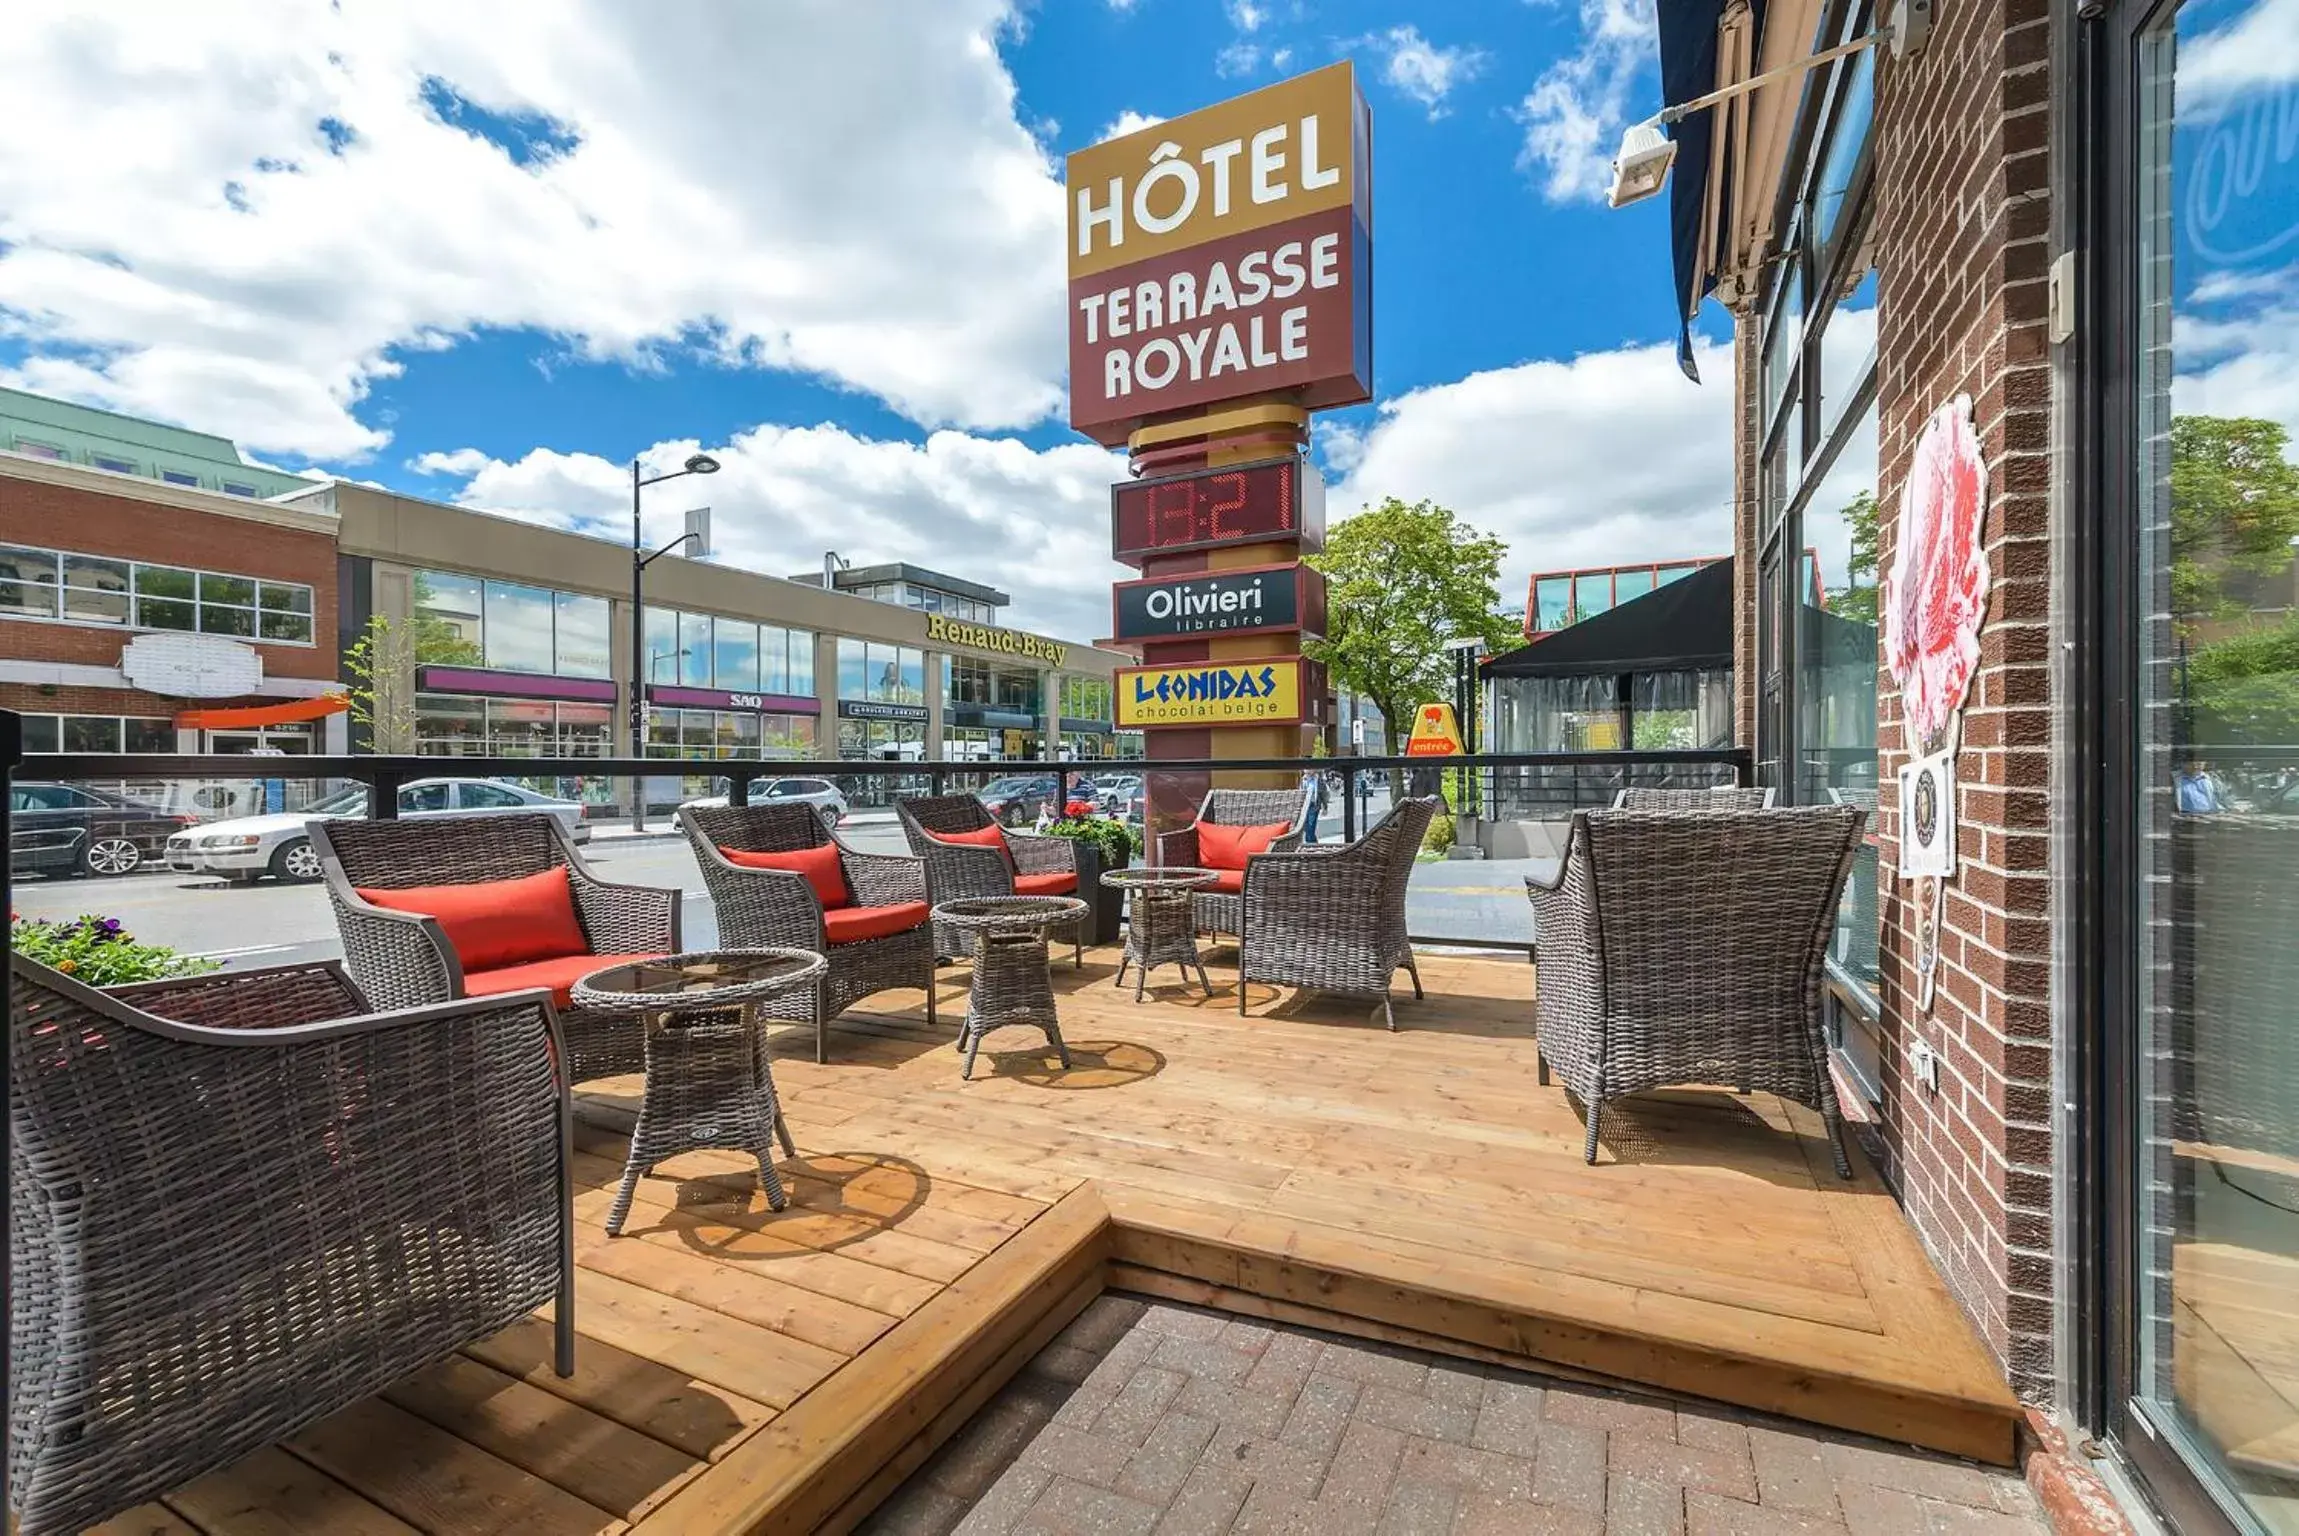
(1224, 254)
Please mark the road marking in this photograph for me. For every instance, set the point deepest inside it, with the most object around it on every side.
(252, 949)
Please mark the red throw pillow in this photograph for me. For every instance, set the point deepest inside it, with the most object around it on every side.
(1220, 847)
(854, 924)
(984, 837)
(819, 865)
(494, 923)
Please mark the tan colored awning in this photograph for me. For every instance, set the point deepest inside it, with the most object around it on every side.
(1752, 132)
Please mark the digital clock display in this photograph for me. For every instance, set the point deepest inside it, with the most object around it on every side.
(1237, 504)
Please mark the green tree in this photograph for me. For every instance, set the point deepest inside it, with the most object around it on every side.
(1856, 599)
(435, 639)
(2243, 689)
(2234, 511)
(381, 667)
(1401, 580)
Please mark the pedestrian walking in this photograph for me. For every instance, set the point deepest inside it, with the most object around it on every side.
(1313, 801)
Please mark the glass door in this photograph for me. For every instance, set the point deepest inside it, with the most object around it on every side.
(2200, 473)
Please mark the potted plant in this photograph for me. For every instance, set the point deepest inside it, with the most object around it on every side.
(1103, 843)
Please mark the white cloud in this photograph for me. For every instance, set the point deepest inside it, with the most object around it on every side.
(1611, 456)
(2258, 50)
(1574, 113)
(799, 188)
(1423, 71)
(985, 508)
(1128, 121)
(462, 461)
(1238, 58)
(1246, 15)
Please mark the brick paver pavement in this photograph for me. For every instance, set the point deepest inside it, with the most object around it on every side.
(1149, 1419)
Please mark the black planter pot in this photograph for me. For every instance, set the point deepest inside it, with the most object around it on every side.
(1104, 906)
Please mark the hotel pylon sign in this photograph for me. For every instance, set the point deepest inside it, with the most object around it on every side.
(1221, 290)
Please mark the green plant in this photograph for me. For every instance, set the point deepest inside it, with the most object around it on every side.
(1113, 839)
(98, 951)
(1439, 837)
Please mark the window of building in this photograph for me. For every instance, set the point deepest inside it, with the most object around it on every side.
(455, 725)
(238, 488)
(98, 589)
(38, 450)
(1552, 603)
(113, 462)
(720, 733)
(1592, 594)
(1630, 584)
(1086, 698)
(699, 650)
(1816, 578)
(98, 733)
(510, 627)
(880, 672)
(179, 477)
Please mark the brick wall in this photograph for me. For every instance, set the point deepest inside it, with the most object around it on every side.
(123, 527)
(1962, 210)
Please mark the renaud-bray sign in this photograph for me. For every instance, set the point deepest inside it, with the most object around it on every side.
(1246, 601)
(988, 637)
(1264, 691)
(1224, 253)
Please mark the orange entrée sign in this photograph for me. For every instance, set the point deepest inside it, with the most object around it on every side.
(1435, 732)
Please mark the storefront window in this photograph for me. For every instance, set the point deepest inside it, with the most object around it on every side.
(875, 671)
(2217, 756)
(98, 733)
(694, 650)
(97, 589)
(517, 635)
(581, 645)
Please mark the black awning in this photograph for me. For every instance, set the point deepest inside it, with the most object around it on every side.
(1682, 627)
(1688, 30)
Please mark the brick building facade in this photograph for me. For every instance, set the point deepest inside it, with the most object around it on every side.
(2068, 215)
(149, 604)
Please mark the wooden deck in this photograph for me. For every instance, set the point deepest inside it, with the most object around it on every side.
(741, 1370)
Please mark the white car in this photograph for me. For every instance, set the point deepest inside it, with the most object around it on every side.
(248, 847)
(823, 795)
(1117, 791)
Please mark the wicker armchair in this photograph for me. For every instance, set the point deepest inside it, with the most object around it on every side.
(1722, 798)
(403, 959)
(1030, 865)
(1217, 910)
(231, 1219)
(774, 907)
(1333, 919)
(1686, 947)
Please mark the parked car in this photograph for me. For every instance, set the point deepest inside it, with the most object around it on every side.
(1116, 791)
(249, 847)
(823, 795)
(70, 829)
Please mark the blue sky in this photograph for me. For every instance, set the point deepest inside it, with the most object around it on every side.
(490, 259)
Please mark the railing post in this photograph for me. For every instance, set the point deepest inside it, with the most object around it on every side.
(1349, 805)
(738, 782)
(937, 777)
(382, 795)
(1061, 793)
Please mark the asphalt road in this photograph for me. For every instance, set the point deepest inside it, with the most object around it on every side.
(272, 924)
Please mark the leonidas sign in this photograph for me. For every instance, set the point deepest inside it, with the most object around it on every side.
(1224, 254)
(1211, 693)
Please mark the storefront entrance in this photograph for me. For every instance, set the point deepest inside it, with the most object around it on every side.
(2192, 648)
(295, 740)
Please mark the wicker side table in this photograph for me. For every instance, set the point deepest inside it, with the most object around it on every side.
(708, 1082)
(1012, 984)
(1161, 922)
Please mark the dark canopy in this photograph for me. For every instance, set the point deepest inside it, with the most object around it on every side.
(1688, 70)
(1684, 626)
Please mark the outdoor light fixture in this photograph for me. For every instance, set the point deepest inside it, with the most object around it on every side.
(696, 464)
(1641, 168)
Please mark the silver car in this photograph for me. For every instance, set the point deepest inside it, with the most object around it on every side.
(823, 795)
(249, 847)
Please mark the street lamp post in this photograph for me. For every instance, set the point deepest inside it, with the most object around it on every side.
(696, 464)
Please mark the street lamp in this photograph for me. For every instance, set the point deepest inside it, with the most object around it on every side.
(696, 464)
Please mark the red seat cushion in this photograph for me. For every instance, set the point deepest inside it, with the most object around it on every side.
(820, 865)
(988, 837)
(1220, 847)
(851, 925)
(494, 923)
(1060, 882)
(559, 974)
(1227, 882)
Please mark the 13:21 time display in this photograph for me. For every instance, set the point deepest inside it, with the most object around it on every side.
(1236, 504)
